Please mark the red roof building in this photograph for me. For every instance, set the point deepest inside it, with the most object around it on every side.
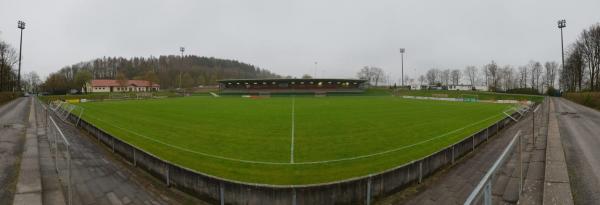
(104, 85)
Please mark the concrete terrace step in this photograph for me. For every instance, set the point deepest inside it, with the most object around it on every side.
(557, 187)
(29, 185)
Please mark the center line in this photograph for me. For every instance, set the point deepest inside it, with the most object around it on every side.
(293, 128)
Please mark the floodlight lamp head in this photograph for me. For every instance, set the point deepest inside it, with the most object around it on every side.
(182, 49)
(402, 50)
(562, 23)
(21, 25)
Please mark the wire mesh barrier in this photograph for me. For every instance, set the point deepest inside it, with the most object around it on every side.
(482, 194)
(360, 190)
(60, 149)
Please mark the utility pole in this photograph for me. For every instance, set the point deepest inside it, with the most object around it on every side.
(402, 54)
(20, 25)
(561, 24)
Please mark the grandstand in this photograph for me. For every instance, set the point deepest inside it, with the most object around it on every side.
(317, 86)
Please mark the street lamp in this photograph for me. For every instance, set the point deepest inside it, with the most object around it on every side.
(20, 25)
(402, 53)
(561, 24)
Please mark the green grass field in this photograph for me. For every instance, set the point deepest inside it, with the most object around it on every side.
(250, 140)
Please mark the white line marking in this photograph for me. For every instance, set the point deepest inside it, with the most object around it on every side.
(293, 128)
(287, 163)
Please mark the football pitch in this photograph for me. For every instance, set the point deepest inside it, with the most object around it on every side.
(291, 140)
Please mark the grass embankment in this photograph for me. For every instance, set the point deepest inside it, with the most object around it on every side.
(250, 140)
(103, 96)
(590, 99)
(480, 94)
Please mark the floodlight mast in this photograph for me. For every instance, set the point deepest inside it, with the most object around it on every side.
(402, 54)
(315, 70)
(182, 49)
(20, 25)
(561, 24)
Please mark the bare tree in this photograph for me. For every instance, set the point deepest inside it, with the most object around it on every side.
(507, 77)
(372, 74)
(8, 58)
(421, 79)
(455, 75)
(492, 77)
(551, 69)
(121, 79)
(536, 71)
(445, 76)
(471, 73)
(31, 81)
(432, 76)
(583, 57)
(590, 49)
(523, 73)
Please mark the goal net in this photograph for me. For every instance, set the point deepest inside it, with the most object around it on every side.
(469, 98)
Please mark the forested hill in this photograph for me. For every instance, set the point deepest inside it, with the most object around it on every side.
(165, 70)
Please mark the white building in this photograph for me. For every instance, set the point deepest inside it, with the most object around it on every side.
(103, 86)
(460, 87)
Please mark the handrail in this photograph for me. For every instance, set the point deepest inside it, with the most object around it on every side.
(485, 181)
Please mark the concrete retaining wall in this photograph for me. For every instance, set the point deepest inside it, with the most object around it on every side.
(354, 191)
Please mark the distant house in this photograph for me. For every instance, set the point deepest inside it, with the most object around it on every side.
(103, 86)
(460, 87)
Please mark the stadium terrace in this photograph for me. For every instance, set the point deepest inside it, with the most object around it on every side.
(322, 85)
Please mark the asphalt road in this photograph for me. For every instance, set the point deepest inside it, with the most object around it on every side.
(13, 122)
(580, 133)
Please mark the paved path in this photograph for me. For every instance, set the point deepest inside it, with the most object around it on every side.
(101, 178)
(453, 185)
(557, 186)
(580, 133)
(29, 183)
(13, 122)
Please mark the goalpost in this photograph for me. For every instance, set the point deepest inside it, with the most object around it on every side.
(469, 97)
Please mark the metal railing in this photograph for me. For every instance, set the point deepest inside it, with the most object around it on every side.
(485, 185)
(60, 149)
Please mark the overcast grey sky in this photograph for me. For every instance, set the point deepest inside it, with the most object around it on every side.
(287, 37)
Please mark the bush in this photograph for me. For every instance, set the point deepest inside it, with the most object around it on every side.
(7, 96)
(528, 91)
(553, 92)
(590, 99)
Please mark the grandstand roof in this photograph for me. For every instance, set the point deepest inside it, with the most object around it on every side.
(291, 80)
(109, 82)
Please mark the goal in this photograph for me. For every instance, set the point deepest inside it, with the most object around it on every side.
(469, 98)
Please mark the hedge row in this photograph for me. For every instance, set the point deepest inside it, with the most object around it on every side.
(590, 99)
(7, 96)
